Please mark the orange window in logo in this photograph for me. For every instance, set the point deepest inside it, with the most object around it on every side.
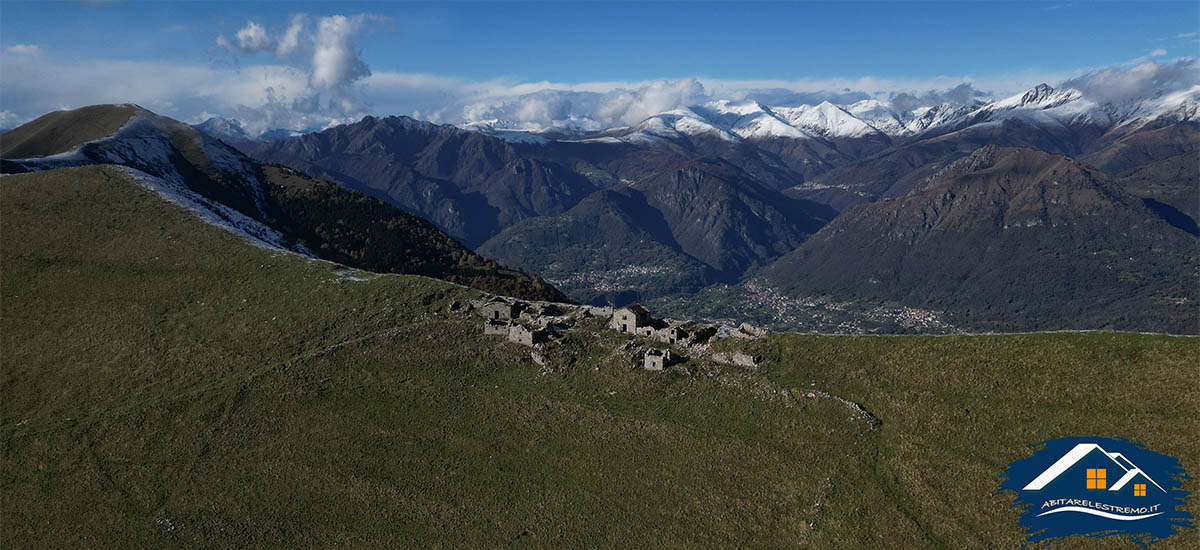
(1139, 489)
(1096, 478)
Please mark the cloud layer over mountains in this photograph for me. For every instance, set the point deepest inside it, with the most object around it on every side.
(311, 74)
(323, 50)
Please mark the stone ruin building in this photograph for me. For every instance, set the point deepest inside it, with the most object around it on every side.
(627, 319)
(656, 359)
(498, 309)
(528, 336)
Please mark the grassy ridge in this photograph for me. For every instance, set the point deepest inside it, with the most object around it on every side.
(166, 385)
(958, 409)
(62, 131)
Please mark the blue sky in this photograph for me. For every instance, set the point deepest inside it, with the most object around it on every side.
(579, 42)
(494, 45)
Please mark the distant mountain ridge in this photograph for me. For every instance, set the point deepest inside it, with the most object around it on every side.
(694, 224)
(270, 205)
(1008, 239)
(752, 120)
(469, 184)
(707, 210)
(703, 191)
(231, 131)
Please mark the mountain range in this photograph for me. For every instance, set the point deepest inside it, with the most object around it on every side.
(729, 193)
(945, 210)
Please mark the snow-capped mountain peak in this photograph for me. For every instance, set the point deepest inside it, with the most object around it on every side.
(871, 118)
(681, 122)
(1041, 96)
(506, 130)
(751, 120)
(826, 120)
(223, 128)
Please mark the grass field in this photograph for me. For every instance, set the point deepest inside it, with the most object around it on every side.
(166, 385)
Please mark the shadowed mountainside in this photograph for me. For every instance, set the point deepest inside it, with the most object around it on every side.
(364, 232)
(469, 184)
(679, 230)
(1009, 239)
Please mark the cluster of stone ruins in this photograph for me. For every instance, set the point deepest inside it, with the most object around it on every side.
(535, 323)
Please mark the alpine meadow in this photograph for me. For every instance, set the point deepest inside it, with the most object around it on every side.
(599, 275)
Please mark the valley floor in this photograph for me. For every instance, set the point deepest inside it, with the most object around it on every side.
(165, 384)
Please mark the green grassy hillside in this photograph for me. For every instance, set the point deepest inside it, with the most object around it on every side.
(62, 131)
(166, 385)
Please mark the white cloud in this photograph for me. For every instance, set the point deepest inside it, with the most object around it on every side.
(604, 104)
(11, 120)
(323, 49)
(1158, 52)
(1147, 79)
(335, 63)
(290, 41)
(631, 106)
(311, 74)
(32, 50)
(253, 38)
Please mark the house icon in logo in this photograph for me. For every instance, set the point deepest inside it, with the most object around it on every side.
(1088, 466)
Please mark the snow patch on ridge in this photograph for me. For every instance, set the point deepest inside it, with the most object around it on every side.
(142, 149)
(213, 212)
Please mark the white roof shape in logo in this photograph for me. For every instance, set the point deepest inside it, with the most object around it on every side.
(1075, 455)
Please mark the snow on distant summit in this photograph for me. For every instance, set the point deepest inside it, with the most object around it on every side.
(675, 124)
(871, 119)
(750, 120)
(1041, 96)
(223, 129)
(506, 131)
(827, 120)
(1046, 105)
(879, 115)
(232, 131)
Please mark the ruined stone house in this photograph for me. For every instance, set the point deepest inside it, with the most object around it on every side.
(669, 335)
(746, 330)
(597, 311)
(528, 336)
(736, 358)
(500, 310)
(656, 359)
(628, 319)
(701, 334)
(496, 327)
(550, 310)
